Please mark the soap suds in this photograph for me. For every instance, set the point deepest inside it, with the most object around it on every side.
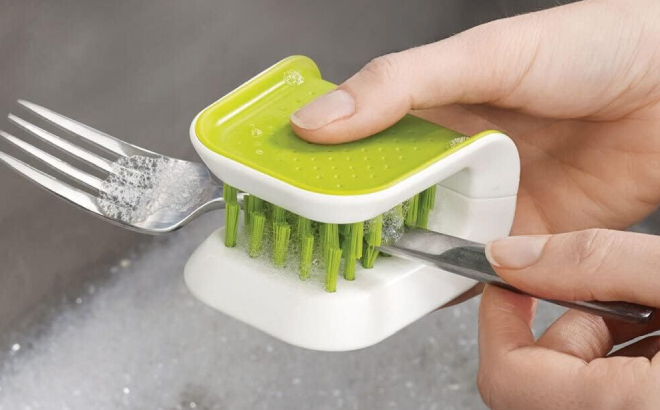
(140, 186)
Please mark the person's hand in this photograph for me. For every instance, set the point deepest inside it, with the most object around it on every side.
(576, 87)
(570, 366)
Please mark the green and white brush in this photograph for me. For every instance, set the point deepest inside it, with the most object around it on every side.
(302, 262)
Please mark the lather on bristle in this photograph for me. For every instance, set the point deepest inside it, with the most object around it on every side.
(306, 253)
(257, 220)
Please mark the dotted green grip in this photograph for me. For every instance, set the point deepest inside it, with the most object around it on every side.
(251, 126)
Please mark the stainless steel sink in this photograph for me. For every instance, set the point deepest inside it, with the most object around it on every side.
(92, 316)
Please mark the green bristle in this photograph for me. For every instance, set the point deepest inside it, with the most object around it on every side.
(304, 227)
(279, 214)
(349, 268)
(246, 214)
(307, 247)
(353, 238)
(369, 257)
(281, 233)
(374, 231)
(373, 239)
(256, 204)
(257, 219)
(352, 247)
(426, 204)
(232, 210)
(329, 238)
(357, 235)
(229, 193)
(252, 205)
(332, 269)
(411, 214)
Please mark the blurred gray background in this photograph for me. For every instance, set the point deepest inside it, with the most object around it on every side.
(93, 316)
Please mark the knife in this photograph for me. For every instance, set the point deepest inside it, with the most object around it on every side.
(468, 259)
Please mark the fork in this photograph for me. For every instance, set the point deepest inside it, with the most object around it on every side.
(127, 185)
(167, 215)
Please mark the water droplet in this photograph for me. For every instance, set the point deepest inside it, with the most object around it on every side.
(293, 77)
(15, 347)
(259, 152)
(126, 390)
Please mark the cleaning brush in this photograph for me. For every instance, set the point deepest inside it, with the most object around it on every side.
(303, 262)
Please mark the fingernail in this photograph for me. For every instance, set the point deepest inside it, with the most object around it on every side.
(324, 110)
(516, 252)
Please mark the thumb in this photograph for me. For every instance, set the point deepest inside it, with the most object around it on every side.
(594, 264)
(468, 68)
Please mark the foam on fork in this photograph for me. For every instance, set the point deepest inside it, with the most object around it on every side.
(140, 186)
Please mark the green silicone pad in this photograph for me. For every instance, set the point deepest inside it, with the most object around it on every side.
(251, 126)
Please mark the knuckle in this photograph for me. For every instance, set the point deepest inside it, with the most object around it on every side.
(383, 68)
(589, 245)
(487, 384)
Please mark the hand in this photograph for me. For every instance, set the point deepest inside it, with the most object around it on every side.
(576, 87)
(569, 367)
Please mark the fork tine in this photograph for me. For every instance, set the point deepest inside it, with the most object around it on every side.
(96, 137)
(55, 186)
(56, 163)
(62, 144)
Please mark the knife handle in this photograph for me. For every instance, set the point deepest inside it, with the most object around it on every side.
(470, 261)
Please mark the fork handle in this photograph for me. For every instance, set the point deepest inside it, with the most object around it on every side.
(470, 261)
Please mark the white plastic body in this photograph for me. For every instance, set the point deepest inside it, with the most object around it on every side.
(476, 200)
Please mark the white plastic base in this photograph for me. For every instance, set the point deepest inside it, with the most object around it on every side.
(363, 312)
